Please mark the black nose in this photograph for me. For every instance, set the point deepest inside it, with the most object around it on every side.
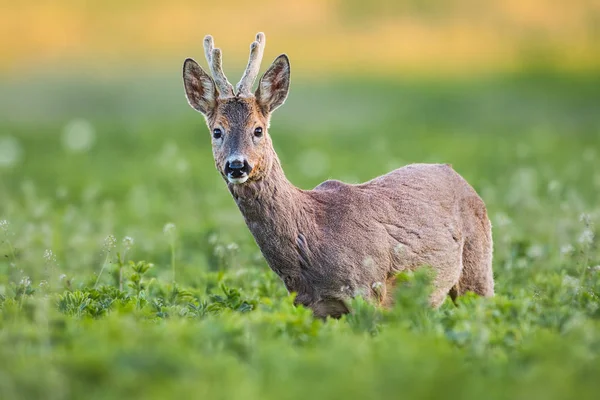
(237, 168)
(236, 164)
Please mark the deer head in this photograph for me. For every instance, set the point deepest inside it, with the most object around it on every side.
(239, 122)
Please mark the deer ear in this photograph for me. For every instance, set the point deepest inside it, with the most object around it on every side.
(200, 88)
(274, 85)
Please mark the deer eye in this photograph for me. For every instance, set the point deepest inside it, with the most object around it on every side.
(258, 132)
(217, 133)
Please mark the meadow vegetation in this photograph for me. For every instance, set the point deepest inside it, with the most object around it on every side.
(127, 271)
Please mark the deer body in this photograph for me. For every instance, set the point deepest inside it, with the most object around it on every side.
(339, 240)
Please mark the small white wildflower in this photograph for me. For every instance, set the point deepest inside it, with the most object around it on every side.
(169, 229)
(535, 251)
(586, 237)
(4, 225)
(241, 272)
(569, 281)
(62, 277)
(213, 238)
(43, 284)
(219, 251)
(585, 218)
(232, 247)
(49, 256)
(566, 249)
(110, 243)
(25, 281)
(128, 242)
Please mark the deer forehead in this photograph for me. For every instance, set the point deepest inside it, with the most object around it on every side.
(238, 112)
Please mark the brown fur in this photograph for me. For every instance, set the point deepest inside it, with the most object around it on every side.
(340, 240)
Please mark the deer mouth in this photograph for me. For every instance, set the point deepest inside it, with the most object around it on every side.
(237, 181)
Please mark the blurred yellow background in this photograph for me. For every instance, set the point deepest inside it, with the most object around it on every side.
(322, 36)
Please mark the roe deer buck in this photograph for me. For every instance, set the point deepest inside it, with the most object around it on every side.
(337, 240)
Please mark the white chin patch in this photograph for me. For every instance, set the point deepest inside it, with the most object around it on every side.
(237, 181)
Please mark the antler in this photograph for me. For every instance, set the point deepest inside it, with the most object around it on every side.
(213, 56)
(257, 49)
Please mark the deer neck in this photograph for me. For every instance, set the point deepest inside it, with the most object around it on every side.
(277, 214)
(271, 203)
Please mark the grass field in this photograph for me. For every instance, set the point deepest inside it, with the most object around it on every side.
(127, 270)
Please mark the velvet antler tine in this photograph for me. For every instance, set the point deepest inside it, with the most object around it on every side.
(213, 57)
(208, 48)
(257, 49)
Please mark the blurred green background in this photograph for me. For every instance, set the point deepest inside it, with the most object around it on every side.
(102, 162)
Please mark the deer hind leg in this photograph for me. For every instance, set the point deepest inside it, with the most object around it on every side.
(477, 275)
(444, 283)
